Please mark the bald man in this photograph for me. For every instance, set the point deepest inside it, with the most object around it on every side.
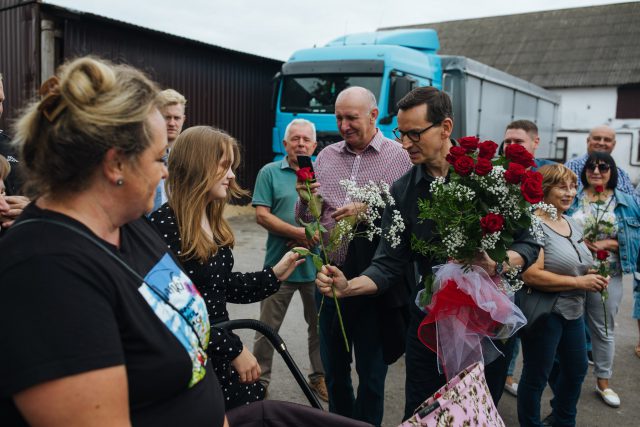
(602, 139)
(374, 326)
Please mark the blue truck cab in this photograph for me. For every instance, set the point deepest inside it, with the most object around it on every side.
(389, 63)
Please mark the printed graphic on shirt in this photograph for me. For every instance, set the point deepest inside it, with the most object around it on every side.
(175, 300)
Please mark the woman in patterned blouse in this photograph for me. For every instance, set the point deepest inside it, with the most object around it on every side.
(201, 181)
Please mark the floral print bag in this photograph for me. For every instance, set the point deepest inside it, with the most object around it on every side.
(464, 401)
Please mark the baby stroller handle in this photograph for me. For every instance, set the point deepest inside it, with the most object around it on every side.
(277, 343)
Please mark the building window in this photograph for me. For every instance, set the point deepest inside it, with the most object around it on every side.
(560, 155)
(628, 106)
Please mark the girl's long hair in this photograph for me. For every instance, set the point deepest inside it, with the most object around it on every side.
(194, 168)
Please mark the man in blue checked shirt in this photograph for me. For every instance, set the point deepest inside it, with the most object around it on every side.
(603, 139)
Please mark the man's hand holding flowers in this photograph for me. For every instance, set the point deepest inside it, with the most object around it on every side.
(331, 275)
(353, 209)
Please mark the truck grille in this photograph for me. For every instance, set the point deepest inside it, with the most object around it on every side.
(326, 138)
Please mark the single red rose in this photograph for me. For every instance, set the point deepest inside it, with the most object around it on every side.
(602, 254)
(463, 165)
(518, 154)
(531, 190)
(599, 188)
(513, 175)
(491, 223)
(454, 153)
(532, 175)
(487, 149)
(305, 174)
(457, 151)
(469, 143)
(483, 166)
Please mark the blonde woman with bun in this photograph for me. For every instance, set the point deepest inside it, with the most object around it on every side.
(100, 325)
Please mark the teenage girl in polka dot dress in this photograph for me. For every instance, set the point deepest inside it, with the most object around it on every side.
(201, 181)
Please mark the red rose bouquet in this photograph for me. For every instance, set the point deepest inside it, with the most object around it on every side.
(483, 203)
(479, 207)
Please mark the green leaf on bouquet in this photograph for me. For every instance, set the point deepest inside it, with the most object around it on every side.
(507, 239)
(321, 227)
(310, 231)
(301, 251)
(317, 261)
(425, 297)
(315, 205)
(419, 245)
(305, 195)
(309, 228)
(498, 253)
(524, 221)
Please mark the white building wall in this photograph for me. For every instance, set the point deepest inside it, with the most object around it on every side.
(584, 108)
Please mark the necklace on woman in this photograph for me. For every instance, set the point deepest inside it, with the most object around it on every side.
(557, 224)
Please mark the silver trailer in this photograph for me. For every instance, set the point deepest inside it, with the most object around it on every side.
(486, 100)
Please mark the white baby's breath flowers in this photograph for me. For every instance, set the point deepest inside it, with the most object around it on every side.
(549, 209)
(536, 229)
(454, 239)
(439, 187)
(376, 197)
(511, 282)
(396, 229)
(489, 241)
(344, 230)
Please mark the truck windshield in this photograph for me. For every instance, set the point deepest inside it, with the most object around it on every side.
(317, 94)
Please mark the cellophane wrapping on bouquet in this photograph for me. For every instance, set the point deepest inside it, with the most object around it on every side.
(466, 313)
(464, 401)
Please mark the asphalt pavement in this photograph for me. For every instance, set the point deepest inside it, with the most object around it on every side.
(592, 411)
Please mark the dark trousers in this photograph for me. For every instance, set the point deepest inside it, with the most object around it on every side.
(363, 333)
(423, 378)
(560, 338)
(271, 413)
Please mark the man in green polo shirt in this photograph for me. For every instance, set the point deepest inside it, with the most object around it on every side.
(274, 198)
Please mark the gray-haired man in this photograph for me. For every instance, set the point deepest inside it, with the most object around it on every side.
(274, 198)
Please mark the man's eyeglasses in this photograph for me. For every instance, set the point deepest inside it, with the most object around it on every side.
(602, 167)
(413, 135)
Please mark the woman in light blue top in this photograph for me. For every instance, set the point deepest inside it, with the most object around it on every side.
(611, 222)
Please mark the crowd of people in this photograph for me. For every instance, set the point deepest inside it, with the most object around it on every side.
(133, 268)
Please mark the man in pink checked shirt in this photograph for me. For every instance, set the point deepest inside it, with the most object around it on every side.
(374, 326)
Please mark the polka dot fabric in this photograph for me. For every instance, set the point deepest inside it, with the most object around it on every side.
(218, 284)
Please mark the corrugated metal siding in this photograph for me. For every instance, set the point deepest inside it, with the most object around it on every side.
(225, 89)
(19, 56)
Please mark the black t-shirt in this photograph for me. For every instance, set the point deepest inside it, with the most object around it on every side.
(68, 308)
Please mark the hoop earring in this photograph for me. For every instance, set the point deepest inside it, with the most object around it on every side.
(119, 182)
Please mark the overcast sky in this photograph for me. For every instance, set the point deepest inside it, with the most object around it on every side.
(276, 29)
